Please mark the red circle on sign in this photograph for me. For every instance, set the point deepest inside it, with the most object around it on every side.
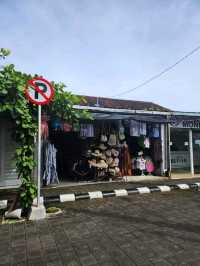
(47, 98)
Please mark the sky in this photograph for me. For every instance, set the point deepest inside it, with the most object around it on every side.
(102, 48)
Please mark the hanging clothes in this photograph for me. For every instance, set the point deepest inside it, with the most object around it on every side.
(134, 128)
(157, 150)
(149, 166)
(87, 130)
(147, 143)
(50, 175)
(138, 128)
(125, 161)
(142, 163)
(142, 128)
(154, 131)
(121, 131)
(44, 129)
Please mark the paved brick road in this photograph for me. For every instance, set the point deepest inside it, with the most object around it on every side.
(154, 229)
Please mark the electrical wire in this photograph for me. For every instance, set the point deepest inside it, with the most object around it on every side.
(159, 74)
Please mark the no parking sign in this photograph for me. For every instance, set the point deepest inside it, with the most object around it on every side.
(39, 91)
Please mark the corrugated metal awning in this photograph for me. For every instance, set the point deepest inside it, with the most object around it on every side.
(145, 118)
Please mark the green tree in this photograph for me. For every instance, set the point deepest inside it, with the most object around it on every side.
(24, 116)
(4, 52)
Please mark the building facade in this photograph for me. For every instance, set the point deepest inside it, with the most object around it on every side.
(168, 139)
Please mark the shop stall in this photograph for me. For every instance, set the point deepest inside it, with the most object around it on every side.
(109, 147)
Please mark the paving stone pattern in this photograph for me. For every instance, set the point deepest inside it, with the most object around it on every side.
(152, 229)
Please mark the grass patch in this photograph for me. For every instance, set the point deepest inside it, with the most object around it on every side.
(51, 210)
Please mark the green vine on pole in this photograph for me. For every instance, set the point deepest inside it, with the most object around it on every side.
(24, 116)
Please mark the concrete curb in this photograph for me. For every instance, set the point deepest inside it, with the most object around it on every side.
(71, 197)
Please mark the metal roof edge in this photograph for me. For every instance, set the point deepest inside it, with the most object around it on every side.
(127, 111)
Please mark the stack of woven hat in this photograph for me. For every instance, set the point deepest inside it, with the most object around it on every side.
(98, 160)
(112, 159)
(106, 155)
(110, 153)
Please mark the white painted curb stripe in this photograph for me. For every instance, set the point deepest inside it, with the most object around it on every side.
(67, 197)
(183, 186)
(3, 204)
(99, 194)
(121, 192)
(164, 188)
(143, 190)
(95, 195)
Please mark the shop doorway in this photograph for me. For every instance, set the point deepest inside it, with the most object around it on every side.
(70, 149)
(180, 152)
(196, 150)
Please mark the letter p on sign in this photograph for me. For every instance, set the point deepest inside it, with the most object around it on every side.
(39, 91)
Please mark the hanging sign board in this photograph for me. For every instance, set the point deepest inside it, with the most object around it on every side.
(39, 91)
(193, 123)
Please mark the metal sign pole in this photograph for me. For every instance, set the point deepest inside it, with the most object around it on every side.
(39, 155)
